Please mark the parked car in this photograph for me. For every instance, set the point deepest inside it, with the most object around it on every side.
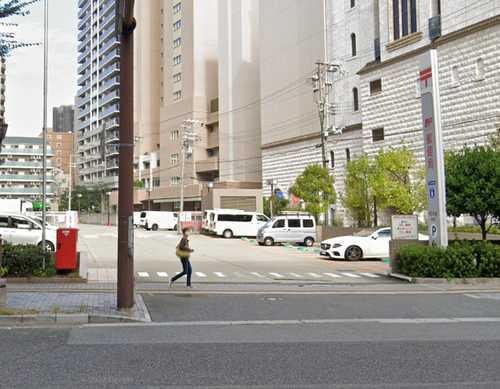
(137, 219)
(362, 246)
(21, 229)
(158, 220)
(297, 228)
(230, 223)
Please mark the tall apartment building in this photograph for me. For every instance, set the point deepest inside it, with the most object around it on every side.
(97, 100)
(21, 169)
(3, 124)
(63, 118)
(180, 66)
(62, 145)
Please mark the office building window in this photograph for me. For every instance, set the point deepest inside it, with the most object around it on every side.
(404, 18)
(375, 86)
(332, 159)
(177, 25)
(347, 155)
(177, 7)
(355, 99)
(353, 45)
(177, 95)
(377, 134)
(175, 180)
(174, 135)
(177, 77)
(177, 42)
(174, 159)
(353, 3)
(177, 60)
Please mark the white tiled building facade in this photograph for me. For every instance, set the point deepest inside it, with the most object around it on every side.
(378, 45)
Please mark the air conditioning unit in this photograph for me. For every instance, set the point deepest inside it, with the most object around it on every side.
(435, 27)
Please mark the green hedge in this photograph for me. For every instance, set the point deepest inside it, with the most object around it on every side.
(26, 261)
(459, 260)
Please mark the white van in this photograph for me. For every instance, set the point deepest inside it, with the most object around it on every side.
(291, 227)
(158, 220)
(21, 229)
(229, 223)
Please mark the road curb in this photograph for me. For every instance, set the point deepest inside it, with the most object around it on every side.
(64, 319)
(451, 281)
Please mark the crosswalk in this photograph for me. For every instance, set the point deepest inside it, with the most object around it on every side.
(107, 275)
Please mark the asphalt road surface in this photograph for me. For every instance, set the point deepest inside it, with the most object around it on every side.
(218, 260)
(298, 342)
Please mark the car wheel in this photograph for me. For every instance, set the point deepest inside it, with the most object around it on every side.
(269, 242)
(154, 227)
(228, 234)
(308, 242)
(353, 253)
(49, 246)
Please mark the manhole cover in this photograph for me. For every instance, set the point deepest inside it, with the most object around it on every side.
(272, 299)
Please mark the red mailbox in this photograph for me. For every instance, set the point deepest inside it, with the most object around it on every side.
(66, 253)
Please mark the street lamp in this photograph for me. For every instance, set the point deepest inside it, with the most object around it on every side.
(79, 196)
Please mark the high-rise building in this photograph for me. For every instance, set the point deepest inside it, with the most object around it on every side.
(62, 145)
(97, 100)
(63, 118)
(21, 168)
(3, 124)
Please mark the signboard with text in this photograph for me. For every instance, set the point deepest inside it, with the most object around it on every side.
(404, 227)
(433, 149)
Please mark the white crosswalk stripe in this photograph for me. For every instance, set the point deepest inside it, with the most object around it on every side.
(254, 273)
(277, 275)
(351, 275)
(370, 275)
(219, 274)
(314, 275)
(143, 274)
(295, 275)
(162, 274)
(333, 275)
(200, 274)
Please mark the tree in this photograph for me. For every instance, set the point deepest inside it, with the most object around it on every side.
(358, 198)
(495, 140)
(84, 199)
(473, 184)
(315, 187)
(279, 205)
(7, 39)
(393, 184)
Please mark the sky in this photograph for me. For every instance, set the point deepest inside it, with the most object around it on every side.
(23, 100)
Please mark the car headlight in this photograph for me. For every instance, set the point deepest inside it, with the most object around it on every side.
(337, 245)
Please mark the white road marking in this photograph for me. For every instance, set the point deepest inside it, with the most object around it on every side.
(333, 275)
(200, 274)
(295, 275)
(370, 275)
(162, 274)
(315, 275)
(277, 275)
(350, 275)
(219, 274)
(254, 273)
(143, 274)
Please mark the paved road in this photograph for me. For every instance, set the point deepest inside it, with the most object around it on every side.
(300, 342)
(220, 260)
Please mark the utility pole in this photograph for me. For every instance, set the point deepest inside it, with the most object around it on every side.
(188, 139)
(323, 86)
(44, 134)
(70, 184)
(126, 25)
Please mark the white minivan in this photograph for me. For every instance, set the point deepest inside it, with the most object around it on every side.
(158, 220)
(291, 227)
(229, 223)
(21, 229)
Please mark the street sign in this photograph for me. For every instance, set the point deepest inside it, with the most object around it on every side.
(433, 149)
(404, 227)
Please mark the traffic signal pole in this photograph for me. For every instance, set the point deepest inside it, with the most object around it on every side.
(126, 26)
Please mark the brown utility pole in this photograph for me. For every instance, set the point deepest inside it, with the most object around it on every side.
(126, 25)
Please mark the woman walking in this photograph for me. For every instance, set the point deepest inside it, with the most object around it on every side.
(183, 251)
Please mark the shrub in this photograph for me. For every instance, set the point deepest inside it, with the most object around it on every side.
(26, 261)
(459, 260)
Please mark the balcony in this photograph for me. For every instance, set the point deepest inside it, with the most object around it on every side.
(83, 90)
(112, 137)
(109, 45)
(26, 191)
(109, 17)
(24, 165)
(112, 124)
(24, 177)
(81, 3)
(109, 84)
(82, 57)
(84, 65)
(108, 32)
(111, 56)
(82, 34)
(83, 112)
(112, 150)
(111, 70)
(104, 99)
(17, 151)
(207, 165)
(110, 111)
(212, 139)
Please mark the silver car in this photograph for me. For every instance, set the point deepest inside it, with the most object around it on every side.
(293, 228)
